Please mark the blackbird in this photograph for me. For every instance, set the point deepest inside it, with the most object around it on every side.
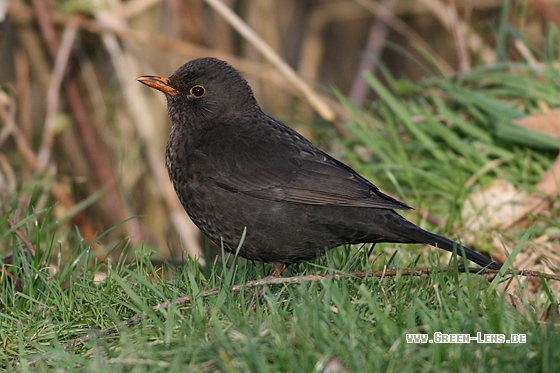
(235, 168)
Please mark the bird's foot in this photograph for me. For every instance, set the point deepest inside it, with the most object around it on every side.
(276, 270)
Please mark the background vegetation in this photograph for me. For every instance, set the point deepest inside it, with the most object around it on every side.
(448, 106)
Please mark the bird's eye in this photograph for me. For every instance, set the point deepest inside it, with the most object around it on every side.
(197, 91)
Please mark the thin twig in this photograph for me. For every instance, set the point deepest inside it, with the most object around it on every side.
(474, 41)
(374, 47)
(53, 92)
(136, 104)
(247, 32)
(405, 30)
(21, 236)
(58, 191)
(21, 13)
(103, 170)
(14, 221)
(459, 36)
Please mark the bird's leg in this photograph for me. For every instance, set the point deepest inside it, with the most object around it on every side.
(277, 269)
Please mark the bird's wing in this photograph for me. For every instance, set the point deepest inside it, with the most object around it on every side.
(286, 167)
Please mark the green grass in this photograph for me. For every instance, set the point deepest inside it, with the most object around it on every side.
(361, 321)
(424, 142)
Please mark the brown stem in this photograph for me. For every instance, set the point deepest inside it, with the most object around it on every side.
(114, 206)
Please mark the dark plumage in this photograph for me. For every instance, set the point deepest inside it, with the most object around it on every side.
(233, 167)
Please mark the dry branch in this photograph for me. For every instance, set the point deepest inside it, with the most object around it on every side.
(321, 107)
(101, 165)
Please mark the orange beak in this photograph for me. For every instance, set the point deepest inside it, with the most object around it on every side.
(159, 83)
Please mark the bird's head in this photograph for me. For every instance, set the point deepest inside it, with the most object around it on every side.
(204, 90)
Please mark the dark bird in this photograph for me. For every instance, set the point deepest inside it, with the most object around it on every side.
(235, 167)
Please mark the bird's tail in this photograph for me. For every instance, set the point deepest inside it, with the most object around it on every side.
(446, 244)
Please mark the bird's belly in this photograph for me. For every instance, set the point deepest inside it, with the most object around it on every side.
(275, 231)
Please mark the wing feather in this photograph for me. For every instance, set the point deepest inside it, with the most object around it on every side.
(283, 166)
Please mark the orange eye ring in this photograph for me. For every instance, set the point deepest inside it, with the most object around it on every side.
(197, 91)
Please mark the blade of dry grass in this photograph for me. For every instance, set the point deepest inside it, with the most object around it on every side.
(374, 47)
(103, 170)
(474, 41)
(127, 72)
(53, 93)
(274, 58)
(402, 28)
(459, 36)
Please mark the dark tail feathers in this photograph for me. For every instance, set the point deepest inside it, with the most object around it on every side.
(446, 244)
